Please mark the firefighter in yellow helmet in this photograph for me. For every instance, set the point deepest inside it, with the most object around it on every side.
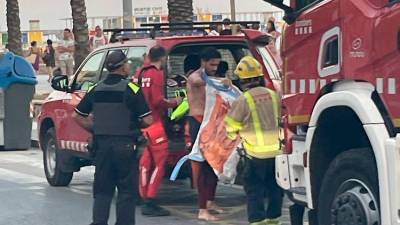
(254, 117)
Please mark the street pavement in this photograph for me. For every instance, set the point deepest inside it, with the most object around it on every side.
(43, 86)
(27, 199)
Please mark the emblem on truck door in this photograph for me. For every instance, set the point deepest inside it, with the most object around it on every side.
(357, 43)
(356, 46)
(303, 27)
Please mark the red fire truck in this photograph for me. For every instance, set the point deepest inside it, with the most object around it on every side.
(341, 109)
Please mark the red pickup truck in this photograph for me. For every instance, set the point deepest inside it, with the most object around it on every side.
(64, 143)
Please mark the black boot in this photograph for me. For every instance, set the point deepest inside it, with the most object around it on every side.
(296, 214)
(150, 208)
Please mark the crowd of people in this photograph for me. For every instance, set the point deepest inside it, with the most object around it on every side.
(61, 56)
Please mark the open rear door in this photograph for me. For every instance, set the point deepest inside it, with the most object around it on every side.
(269, 57)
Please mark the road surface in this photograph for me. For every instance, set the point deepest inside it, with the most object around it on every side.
(27, 199)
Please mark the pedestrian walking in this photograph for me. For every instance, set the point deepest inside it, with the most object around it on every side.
(226, 27)
(213, 31)
(254, 117)
(34, 55)
(114, 111)
(255, 26)
(203, 175)
(271, 30)
(152, 163)
(66, 49)
(98, 39)
(6, 48)
(49, 58)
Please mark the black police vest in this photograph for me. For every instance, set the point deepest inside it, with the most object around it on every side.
(112, 117)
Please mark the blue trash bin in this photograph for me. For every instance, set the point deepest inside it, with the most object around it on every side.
(17, 87)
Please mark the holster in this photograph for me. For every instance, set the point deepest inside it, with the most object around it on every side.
(91, 147)
(141, 144)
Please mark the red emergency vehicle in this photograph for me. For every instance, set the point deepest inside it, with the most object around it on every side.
(342, 110)
(64, 143)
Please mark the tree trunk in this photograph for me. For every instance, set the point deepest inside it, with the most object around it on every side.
(180, 11)
(13, 27)
(80, 30)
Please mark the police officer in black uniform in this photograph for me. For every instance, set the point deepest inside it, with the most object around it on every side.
(114, 111)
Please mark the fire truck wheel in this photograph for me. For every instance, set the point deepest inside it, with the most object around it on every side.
(349, 192)
(54, 175)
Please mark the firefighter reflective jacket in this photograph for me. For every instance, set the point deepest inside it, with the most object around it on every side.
(255, 118)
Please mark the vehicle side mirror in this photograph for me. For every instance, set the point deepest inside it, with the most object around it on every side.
(290, 16)
(60, 83)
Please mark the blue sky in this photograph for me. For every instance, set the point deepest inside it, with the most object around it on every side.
(49, 12)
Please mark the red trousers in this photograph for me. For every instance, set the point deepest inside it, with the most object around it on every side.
(205, 181)
(152, 169)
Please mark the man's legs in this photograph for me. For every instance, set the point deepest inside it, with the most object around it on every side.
(50, 72)
(200, 179)
(104, 183)
(296, 212)
(157, 155)
(212, 182)
(194, 127)
(146, 164)
(70, 67)
(275, 193)
(254, 187)
(204, 188)
(63, 66)
(126, 166)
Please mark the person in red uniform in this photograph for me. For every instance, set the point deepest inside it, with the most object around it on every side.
(152, 164)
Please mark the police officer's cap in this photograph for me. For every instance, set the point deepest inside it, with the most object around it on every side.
(115, 60)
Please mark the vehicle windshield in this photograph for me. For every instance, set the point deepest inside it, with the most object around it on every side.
(231, 55)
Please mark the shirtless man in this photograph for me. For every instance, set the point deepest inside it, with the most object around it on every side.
(204, 176)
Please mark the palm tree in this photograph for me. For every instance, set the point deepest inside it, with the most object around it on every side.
(13, 27)
(80, 30)
(180, 11)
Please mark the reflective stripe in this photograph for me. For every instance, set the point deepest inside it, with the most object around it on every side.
(263, 152)
(92, 87)
(153, 176)
(263, 148)
(275, 103)
(272, 222)
(256, 119)
(134, 87)
(181, 110)
(260, 149)
(233, 125)
(232, 135)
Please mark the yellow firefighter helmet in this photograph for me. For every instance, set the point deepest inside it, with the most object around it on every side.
(248, 67)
